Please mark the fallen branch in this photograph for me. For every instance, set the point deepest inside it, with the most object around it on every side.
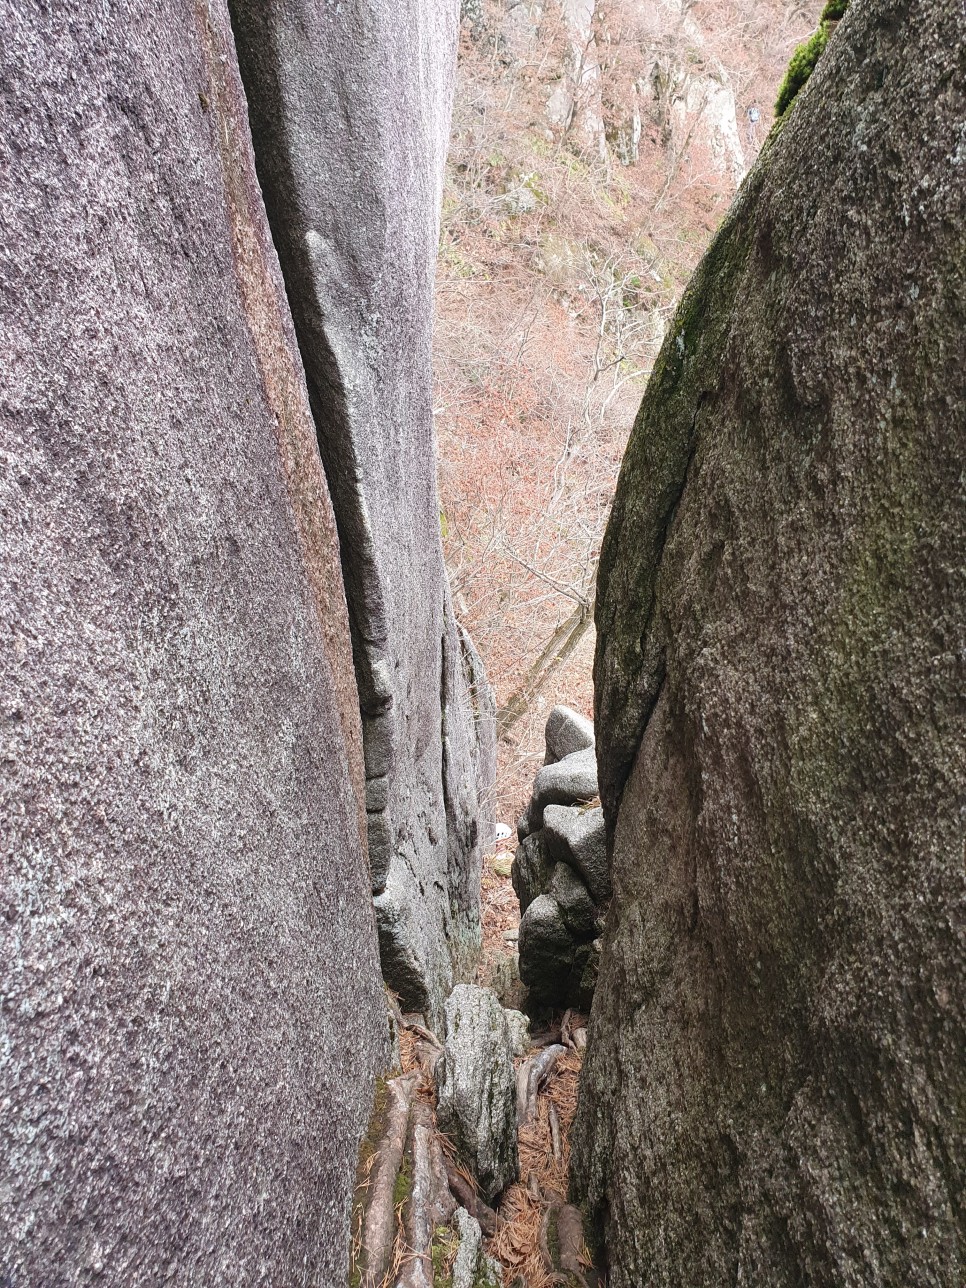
(570, 1242)
(550, 1038)
(555, 1140)
(429, 1203)
(566, 1036)
(563, 1261)
(422, 1032)
(427, 1057)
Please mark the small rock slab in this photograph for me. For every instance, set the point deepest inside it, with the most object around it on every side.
(578, 838)
(519, 1027)
(546, 951)
(531, 871)
(477, 1090)
(472, 1267)
(566, 731)
(576, 906)
(572, 781)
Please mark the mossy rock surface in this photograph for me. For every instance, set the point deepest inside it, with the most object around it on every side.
(772, 1088)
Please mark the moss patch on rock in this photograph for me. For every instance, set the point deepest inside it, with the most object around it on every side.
(806, 56)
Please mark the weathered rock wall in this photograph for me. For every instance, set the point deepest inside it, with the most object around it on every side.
(775, 1085)
(350, 108)
(192, 1011)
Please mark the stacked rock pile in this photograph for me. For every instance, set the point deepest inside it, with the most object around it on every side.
(560, 871)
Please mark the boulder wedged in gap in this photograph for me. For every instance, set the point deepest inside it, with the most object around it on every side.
(580, 914)
(531, 870)
(546, 951)
(565, 732)
(572, 781)
(578, 838)
(477, 1087)
(560, 872)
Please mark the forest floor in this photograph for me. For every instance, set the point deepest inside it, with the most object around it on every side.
(545, 1143)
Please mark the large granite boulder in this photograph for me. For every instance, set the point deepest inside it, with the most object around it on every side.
(775, 1075)
(477, 1088)
(193, 1014)
(580, 914)
(350, 108)
(531, 870)
(565, 732)
(569, 781)
(546, 952)
(577, 837)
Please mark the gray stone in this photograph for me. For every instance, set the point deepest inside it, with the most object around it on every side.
(193, 1015)
(572, 781)
(583, 976)
(349, 107)
(576, 906)
(377, 794)
(530, 871)
(546, 952)
(773, 1088)
(407, 929)
(578, 838)
(477, 1093)
(519, 1027)
(503, 977)
(473, 1268)
(523, 827)
(381, 843)
(567, 731)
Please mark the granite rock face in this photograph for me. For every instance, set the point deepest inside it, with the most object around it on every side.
(774, 1080)
(350, 109)
(193, 1014)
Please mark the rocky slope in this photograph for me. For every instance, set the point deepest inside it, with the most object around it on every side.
(773, 1088)
(193, 1012)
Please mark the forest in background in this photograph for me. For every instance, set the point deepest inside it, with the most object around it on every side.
(596, 146)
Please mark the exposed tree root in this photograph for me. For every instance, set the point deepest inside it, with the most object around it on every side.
(429, 1204)
(530, 1077)
(379, 1221)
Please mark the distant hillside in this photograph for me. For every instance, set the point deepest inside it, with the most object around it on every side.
(596, 145)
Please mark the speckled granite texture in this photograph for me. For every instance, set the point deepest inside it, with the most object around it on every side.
(192, 1011)
(775, 1084)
